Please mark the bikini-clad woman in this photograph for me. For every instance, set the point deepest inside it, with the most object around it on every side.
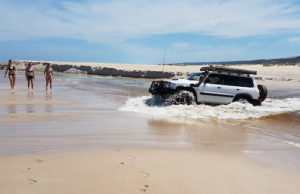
(29, 73)
(11, 71)
(48, 75)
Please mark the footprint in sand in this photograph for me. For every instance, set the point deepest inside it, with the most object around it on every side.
(144, 189)
(24, 171)
(32, 181)
(132, 157)
(146, 174)
(39, 160)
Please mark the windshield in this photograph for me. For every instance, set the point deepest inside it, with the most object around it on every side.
(195, 76)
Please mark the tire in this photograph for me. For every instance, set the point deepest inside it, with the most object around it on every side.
(256, 103)
(242, 99)
(182, 97)
(263, 92)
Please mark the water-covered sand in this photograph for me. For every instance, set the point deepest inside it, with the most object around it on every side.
(96, 134)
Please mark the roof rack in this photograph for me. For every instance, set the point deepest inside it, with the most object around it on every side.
(228, 70)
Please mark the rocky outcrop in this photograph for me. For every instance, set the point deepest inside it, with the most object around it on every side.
(105, 71)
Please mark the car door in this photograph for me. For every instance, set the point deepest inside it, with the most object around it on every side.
(213, 90)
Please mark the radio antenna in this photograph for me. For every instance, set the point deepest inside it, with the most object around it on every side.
(164, 61)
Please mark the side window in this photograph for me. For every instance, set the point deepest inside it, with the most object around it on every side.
(244, 82)
(213, 79)
(238, 81)
(229, 80)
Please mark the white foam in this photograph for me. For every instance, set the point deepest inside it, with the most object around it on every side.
(297, 145)
(234, 110)
(252, 152)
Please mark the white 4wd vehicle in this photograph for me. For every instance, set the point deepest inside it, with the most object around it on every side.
(214, 85)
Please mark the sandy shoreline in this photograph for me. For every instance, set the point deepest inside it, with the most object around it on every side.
(273, 75)
(143, 171)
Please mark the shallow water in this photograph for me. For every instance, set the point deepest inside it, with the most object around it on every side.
(108, 112)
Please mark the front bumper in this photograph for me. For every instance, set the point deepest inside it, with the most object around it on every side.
(161, 88)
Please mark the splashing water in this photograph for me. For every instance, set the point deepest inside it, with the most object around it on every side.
(155, 107)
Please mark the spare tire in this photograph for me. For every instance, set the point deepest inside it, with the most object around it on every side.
(263, 92)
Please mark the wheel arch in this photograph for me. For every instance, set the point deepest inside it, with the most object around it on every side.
(243, 95)
(189, 89)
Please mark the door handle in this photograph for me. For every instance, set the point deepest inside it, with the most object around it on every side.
(238, 89)
(219, 87)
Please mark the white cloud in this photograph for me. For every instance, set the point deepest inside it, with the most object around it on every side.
(295, 40)
(181, 45)
(194, 53)
(117, 20)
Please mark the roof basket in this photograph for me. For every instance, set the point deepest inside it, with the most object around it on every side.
(227, 69)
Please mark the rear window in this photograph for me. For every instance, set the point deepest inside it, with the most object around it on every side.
(244, 82)
(230, 80)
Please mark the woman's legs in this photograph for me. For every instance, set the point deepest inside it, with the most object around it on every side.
(50, 80)
(47, 83)
(28, 83)
(31, 81)
(12, 80)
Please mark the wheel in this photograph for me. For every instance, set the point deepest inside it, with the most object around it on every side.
(182, 97)
(242, 100)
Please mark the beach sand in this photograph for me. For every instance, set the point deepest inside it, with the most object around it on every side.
(75, 140)
(143, 171)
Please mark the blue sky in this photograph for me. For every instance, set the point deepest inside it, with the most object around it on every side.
(138, 31)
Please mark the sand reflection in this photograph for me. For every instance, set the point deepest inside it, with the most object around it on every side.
(203, 133)
(48, 97)
(12, 109)
(30, 108)
(30, 95)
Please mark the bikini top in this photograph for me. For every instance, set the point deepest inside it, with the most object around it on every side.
(48, 70)
(12, 68)
(30, 69)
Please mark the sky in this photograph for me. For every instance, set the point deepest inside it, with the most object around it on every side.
(141, 31)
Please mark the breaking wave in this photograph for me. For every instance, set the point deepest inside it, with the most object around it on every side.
(151, 106)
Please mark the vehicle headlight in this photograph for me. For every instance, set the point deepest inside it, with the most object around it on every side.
(172, 85)
(167, 84)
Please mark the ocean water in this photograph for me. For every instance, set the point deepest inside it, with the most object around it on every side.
(117, 113)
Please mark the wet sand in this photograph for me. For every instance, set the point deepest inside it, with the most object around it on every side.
(86, 137)
(143, 171)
